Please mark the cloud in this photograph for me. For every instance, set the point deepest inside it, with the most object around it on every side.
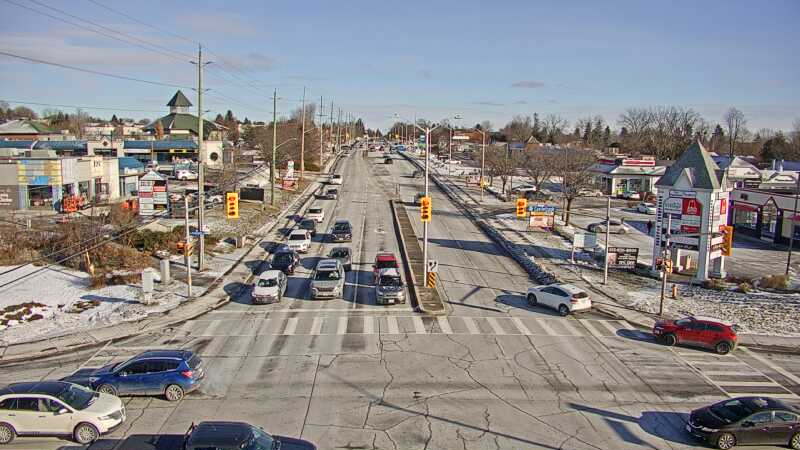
(424, 74)
(212, 23)
(487, 103)
(528, 84)
(520, 102)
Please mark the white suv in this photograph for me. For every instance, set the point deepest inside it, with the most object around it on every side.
(336, 179)
(57, 408)
(299, 240)
(316, 213)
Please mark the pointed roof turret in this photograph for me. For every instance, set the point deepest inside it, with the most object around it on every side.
(179, 100)
(699, 167)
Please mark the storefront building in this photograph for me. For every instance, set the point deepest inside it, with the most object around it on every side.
(768, 216)
(616, 175)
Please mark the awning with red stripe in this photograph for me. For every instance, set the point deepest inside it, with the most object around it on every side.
(744, 207)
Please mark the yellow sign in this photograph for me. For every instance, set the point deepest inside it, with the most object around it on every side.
(431, 280)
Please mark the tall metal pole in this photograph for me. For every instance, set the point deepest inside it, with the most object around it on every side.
(338, 128)
(321, 126)
(425, 224)
(330, 131)
(664, 272)
(483, 159)
(450, 157)
(201, 179)
(187, 256)
(274, 146)
(303, 138)
(608, 236)
(791, 237)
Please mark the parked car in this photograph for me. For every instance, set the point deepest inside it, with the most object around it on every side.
(389, 287)
(327, 280)
(564, 298)
(630, 195)
(299, 240)
(537, 196)
(332, 194)
(590, 193)
(746, 421)
(285, 260)
(316, 213)
(383, 260)
(646, 208)
(616, 227)
(309, 225)
(185, 174)
(342, 231)
(344, 255)
(214, 198)
(236, 435)
(57, 408)
(706, 332)
(335, 179)
(523, 188)
(269, 287)
(171, 373)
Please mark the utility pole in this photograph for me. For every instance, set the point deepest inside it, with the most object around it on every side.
(338, 128)
(665, 255)
(187, 255)
(608, 236)
(303, 138)
(321, 126)
(483, 159)
(450, 157)
(791, 237)
(274, 146)
(201, 256)
(330, 131)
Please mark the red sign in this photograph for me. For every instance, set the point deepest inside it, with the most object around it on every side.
(689, 229)
(723, 206)
(691, 207)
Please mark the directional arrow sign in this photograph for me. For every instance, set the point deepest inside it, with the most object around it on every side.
(433, 266)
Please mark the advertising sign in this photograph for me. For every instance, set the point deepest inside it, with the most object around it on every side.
(691, 207)
(541, 221)
(682, 194)
(539, 209)
(623, 257)
(673, 205)
(584, 240)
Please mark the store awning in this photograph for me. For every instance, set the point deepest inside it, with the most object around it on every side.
(744, 207)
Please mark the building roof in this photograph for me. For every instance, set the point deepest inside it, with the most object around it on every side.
(128, 162)
(725, 161)
(28, 144)
(179, 100)
(182, 121)
(24, 126)
(697, 164)
(163, 144)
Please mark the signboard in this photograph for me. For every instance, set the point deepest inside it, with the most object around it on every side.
(433, 266)
(541, 221)
(623, 257)
(584, 240)
(539, 209)
(473, 179)
(673, 205)
(460, 137)
(682, 194)
(691, 207)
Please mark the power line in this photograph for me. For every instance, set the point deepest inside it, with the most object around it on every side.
(111, 108)
(140, 22)
(95, 72)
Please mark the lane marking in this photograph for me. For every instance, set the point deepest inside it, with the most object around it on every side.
(750, 383)
(419, 326)
(591, 329)
(316, 326)
(609, 327)
(391, 324)
(444, 325)
(773, 366)
(722, 373)
(695, 361)
(520, 326)
(498, 330)
(291, 326)
(369, 327)
(626, 325)
(342, 328)
(471, 326)
(571, 327)
(788, 396)
(545, 326)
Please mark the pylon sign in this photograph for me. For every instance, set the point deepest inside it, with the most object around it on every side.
(522, 205)
(232, 205)
(425, 208)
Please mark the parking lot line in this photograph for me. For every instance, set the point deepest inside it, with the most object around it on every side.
(391, 324)
(496, 328)
(471, 326)
(444, 325)
(520, 326)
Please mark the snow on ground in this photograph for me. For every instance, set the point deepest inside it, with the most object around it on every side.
(68, 304)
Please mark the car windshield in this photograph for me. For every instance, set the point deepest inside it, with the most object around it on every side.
(269, 282)
(327, 275)
(340, 253)
(307, 224)
(332, 191)
(683, 322)
(298, 237)
(260, 441)
(283, 258)
(387, 264)
(390, 280)
(77, 397)
(341, 227)
(315, 210)
(732, 410)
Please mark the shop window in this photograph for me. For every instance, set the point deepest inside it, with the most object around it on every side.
(769, 220)
(745, 219)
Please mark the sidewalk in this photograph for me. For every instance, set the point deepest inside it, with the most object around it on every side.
(550, 254)
(229, 284)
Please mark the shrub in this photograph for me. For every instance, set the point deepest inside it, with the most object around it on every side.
(714, 284)
(774, 282)
(745, 288)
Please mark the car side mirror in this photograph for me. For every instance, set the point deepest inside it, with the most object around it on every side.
(62, 411)
(122, 374)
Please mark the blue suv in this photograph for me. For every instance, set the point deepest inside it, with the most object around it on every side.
(171, 373)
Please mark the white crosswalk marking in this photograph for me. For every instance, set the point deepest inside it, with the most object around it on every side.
(546, 327)
(368, 325)
(589, 327)
(316, 326)
(419, 326)
(291, 326)
(609, 327)
(444, 325)
(391, 324)
(774, 367)
(570, 325)
(342, 329)
(496, 328)
(520, 326)
(626, 325)
(471, 326)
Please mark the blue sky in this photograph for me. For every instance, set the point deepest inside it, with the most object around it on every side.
(482, 60)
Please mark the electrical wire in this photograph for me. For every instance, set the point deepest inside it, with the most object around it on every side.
(110, 108)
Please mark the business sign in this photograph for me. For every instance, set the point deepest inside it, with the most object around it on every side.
(473, 179)
(539, 209)
(683, 194)
(673, 205)
(460, 137)
(541, 221)
(623, 257)
(584, 240)
(691, 207)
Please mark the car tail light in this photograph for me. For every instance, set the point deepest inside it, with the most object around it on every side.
(573, 300)
(188, 373)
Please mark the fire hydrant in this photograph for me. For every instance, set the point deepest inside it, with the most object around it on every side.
(674, 291)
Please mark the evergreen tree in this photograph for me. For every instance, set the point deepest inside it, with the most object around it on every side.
(246, 121)
(606, 136)
(114, 120)
(587, 132)
(536, 129)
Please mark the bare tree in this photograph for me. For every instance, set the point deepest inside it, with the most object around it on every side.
(735, 124)
(796, 135)
(501, 162)
(487, 126)
(540, 165)
(554, 126)
(519, 129)
(573, 165)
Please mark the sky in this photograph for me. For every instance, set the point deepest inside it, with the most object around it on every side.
(432, 60)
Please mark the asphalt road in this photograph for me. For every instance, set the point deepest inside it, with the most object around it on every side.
(495, 373)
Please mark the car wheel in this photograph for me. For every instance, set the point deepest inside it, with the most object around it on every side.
(173, 392)
(795, 442)
(107, 389)
(563, 310)
(85, 433)
(532, 300)
(723, 348)
(7, 433)
(726, 441)
(669, 340)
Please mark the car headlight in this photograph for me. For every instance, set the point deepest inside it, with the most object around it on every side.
(104, 418)
(708, 430)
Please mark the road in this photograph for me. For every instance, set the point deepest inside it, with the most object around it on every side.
(494, 373)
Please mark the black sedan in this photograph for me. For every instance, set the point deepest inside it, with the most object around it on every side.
(342, 231)
(746, 421)
(285, 260)
(239, 435)
(310, 225)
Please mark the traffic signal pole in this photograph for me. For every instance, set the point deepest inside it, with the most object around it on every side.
(425, 223)
(664, 258)
(187, 255)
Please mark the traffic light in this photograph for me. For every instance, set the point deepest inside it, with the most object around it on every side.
(727, 240)
(184, 248)
(425, 209)
(232, 205)
(522, 204)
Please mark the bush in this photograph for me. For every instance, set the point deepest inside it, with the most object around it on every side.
(745, 288)
(714, 284)
(774, 282)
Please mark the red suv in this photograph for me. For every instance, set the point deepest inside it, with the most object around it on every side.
(697, 331)
(383, 260)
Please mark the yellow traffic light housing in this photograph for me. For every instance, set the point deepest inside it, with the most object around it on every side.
(727, 240)
(522, 204)
(232, 205)
(425, 209)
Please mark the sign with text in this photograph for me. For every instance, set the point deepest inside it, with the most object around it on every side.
(539, 209)
(541, 221)
(691, 207)
(683, 194)
(623, 257)
(584, 240)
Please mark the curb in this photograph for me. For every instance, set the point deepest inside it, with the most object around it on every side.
(412, 285)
